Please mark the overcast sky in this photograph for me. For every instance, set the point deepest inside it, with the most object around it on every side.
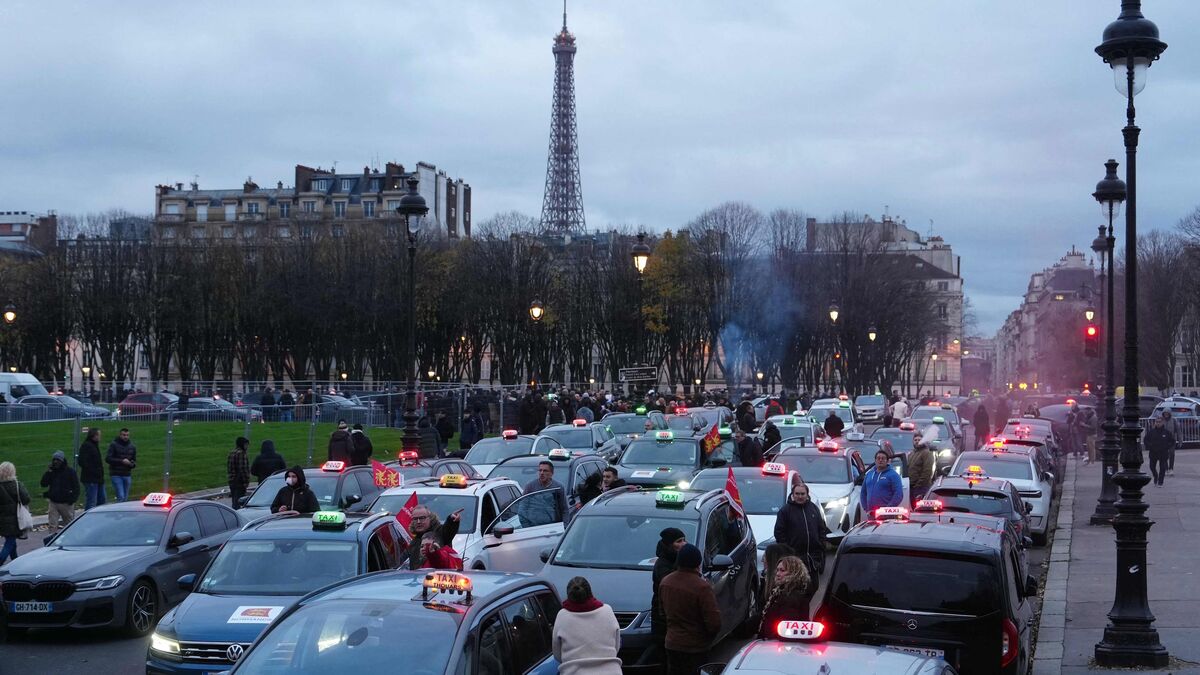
(992, 119)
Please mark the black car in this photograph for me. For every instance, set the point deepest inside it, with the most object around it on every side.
(665, 459)
(937, 589)
(412, 466)
(611, 542)
(932, 511)
(336, 486)
(489, 452)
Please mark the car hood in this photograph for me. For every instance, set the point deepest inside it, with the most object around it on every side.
(654, 475)
(79, 563)
(202, 617)
(824, 492)
(623, 590)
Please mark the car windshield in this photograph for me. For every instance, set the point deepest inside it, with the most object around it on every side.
(323, 486)
(441, 504)
(987, 503)
(817, 468)
(413, 471)
(625, 542)
(710, 416)
(496, 450)
(660, 453)
(115, 528)
(680, 423)
(996, 468)
(868, 400)
(356, 635)
(279, 567)
(524, 473)
(761, 495)
(902, 441)
(626, 424)
(916, 582)
(570, 437)
(790, 431)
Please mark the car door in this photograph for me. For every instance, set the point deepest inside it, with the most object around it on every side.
(366, 489)
(190, 558)
(723, 536)
(535, 524)
(1020, 607)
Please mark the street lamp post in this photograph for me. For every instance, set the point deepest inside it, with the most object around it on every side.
(641, 258)
(1110, 192)
(412, 209)
(536, 311)
(1130, 45)
(10, 314)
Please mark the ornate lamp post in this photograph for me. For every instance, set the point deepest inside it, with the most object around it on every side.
(10, 314)
(1130, 45)
(641, 258)
(1110, 192)
(413, 209)
(536, 311)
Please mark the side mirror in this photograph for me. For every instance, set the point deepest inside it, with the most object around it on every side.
(350, 500)
(1049, 477)
(712, 669)
(720, 562)
(180, 539)
(544, 554)
(187, 582)
(502, 530)
(242, 501)
(1031, 587)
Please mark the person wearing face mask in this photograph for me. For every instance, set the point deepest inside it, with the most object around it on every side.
(295, 496)
(800, 527)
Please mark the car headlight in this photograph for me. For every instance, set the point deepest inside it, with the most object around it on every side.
(159, 643)
(100, 584)
(947, 452)
(840, 502)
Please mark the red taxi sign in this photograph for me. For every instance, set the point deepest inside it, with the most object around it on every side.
(891, 512)
(681, 410)
(579, 422)
(560, 453)
(843, 397)
(407, 456)
(664, 436)
(800, 630)
(157, 499)
(333, 465)
(908, 426)
(827, 446)
(929, 505)
(508, 434)
(774, 469)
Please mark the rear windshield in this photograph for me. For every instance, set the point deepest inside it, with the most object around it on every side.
(680, 423)
(997, 468)
(664, 453)
(818, 468)
(916, 582)
(524, 473)
(323, 486)
(868, 400)
(442, 506)
(571, 438)
(986, 503)
(632, 424)
(761, 495)
(496, 450)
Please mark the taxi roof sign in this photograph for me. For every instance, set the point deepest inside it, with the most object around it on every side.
(799, 630)
(843, 397)
(908, 426)
(560, 454)
(844, 404)
(669, 498)
(447, 582)
(774, 469)
(724, 431)
(664, 435)
(855, 436)
(508, 434)
(329, 520)
(408, 457)
(579, 422)
(640, 410)
(157, 499)
(929, 505)
(827, 446)
(938, 420)
(333, 465)
(453, 480)
(789, 420)
(891, 512)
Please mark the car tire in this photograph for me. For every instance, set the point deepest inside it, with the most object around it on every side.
(1038, 539)
(142, 609)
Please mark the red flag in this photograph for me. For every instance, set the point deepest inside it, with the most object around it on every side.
(735, 497)
(404, 516)
(711, 440)
(385, 477)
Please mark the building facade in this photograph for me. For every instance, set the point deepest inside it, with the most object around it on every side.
(24, 234)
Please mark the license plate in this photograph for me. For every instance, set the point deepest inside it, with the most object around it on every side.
(30, 607)
(920, 651)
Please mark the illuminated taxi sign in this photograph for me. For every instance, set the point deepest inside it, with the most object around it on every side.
(447, 582)
(975, 469)
(774, 469)
(453, 480)
(844, 404)
(908, 426)
(672, 498)
(843, 397)
(724, 431)
(579, 422)
(328, 520)
(508, 434)
(789, 420)
(974, 474)
(929, 505)
(560, 454)
(827, 446)
(998, 444)
(157, 499)
(664, 435)
(799, 630)
(641, 410)
(408, 457)
(938, 420)
(333, 465)
(891, 513)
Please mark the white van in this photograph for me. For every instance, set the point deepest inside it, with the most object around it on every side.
(16, 385)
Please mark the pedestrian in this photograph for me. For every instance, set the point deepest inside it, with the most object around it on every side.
(438, 556)
(922, 468)
(1000, 418)
(586, 637)
(445, 428)
(62, 491)
(1159, 442)
(295, 496)
(470, 433)
(693, 617)
(585, 411)
(122, 460)
(834, 425)
(800, 527)
(287, 405)
(91, 469)
(771, 438)
(790, 596)
(609, 479)
(881, 485)
(267, 462)
(424, 521)
(237, 470)
(1172, 425)
(1091, 427)
(590, 488)
(748, 450)
(340, 444)
(899, 410)
(982, 424)
(13, 523)
(360, 453)
(745, 417)
(542, 511)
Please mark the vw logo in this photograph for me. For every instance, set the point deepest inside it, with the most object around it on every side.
(234, 652)
(912, 625)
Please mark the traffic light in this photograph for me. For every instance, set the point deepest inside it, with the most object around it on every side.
(1091, 341)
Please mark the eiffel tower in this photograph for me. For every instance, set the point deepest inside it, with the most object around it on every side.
(562, 205)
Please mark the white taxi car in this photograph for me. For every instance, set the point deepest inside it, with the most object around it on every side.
(832, 473)
(1020, 468)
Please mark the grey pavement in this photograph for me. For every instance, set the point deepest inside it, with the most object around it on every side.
(1083, 565)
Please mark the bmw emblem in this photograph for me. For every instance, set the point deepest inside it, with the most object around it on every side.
(912, 625)
(234, 652)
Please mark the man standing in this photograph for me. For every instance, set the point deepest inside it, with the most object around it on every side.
(800, 527)
(122, 459)
(286, 404)
(693, 617)
(423, 521)
(1172, 426)
(91, 469)
(922, 467)
(540, 511)
(445, 427)
(340, 444)
(1159, 442)
(237, 470)
(62, 490)
(360, 453)
(899, 410)
(834, 425)
(748, 450)
(982, 424)
(881, 485)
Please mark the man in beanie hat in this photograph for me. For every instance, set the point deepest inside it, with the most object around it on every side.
(670, 541)
(62, 490)
(693, 618)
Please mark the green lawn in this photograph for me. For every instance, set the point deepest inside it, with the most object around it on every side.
(198, 450)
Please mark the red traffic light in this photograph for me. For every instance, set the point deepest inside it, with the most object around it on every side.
(1091, 331)
(1091, 341)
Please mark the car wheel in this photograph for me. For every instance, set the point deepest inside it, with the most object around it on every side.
(1038, 539)
(141, 609)
(749, 627)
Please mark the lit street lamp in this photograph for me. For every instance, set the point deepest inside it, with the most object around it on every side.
(641, 258)
(10, 314)
(536, 310)
(1130, 45)
(872, 334)
(833, 312)
(413, 209)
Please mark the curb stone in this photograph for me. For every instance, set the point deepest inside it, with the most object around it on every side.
(1052, 627)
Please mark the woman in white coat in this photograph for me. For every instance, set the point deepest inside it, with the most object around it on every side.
(586, 635)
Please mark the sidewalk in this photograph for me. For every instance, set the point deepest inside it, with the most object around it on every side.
(1174, 582)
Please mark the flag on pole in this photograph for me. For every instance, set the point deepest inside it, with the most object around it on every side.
(711, 440)
(404, 516)
(384, 476)
(735, 497)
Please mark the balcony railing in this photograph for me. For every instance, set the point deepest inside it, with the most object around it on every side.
(251, 217)
(169, 218)
(306, 215)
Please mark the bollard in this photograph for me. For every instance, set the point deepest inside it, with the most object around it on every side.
(78, 435)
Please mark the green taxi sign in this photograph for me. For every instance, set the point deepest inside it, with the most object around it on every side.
(789, 420)
(329, 519)
(724, 431)
(669, 498)
(939, 420)
(844, 404)
(641, 410)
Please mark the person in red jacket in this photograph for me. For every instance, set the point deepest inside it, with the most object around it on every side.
(439, 557)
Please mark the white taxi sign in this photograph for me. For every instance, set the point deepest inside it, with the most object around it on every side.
(800, 630)
(774, 469)
(333, 465)
(560, 453)
(888, 512)
(157, 499)
(929, 505)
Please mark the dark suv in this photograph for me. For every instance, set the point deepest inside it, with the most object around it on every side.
(938, 589)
